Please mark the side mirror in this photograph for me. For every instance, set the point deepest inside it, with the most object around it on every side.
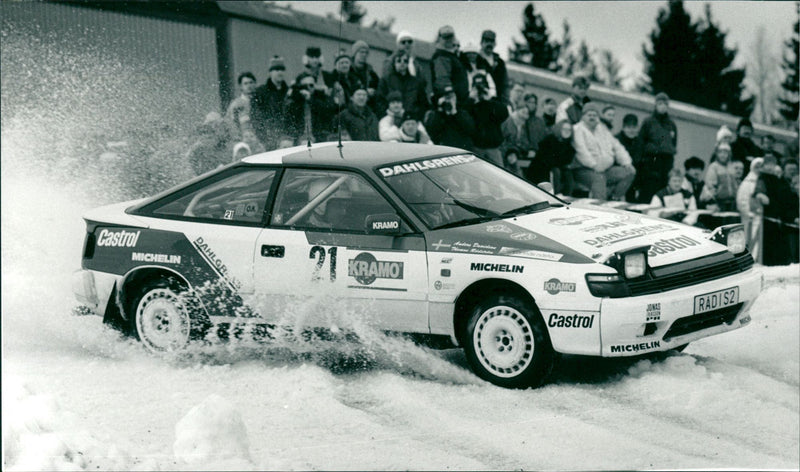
(384, 223)
(546, 186)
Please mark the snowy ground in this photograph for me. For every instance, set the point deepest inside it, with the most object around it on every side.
(77, 396)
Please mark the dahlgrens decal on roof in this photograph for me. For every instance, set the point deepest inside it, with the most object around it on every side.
(423, 165)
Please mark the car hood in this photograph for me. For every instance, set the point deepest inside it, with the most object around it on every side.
(115, 214)
(578, 235)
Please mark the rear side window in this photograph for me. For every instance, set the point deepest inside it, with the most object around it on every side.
(238, 198)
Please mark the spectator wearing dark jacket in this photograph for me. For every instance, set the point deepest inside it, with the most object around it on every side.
(744, 149)
(489, 115)
(412, 89)
(446, 68)
(268, 105)
(405, 46)
(549, 107)
(572, 108)
(777, 198)
(516, 143)
(694, 182)
(339, 80)
(489, 60)
(629, 138)
(659, 137)
(312, 65)
(358, 119)
(308, 112)
(449, 125)
(362, 71)
(555, 154)
(535, 127)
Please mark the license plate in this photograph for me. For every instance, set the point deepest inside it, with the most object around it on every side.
(716, 300)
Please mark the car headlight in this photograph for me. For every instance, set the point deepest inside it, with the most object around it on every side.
(634, 264)
(732, 236)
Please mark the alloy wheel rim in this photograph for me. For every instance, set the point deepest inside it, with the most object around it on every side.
(503, 341)
(162, 321)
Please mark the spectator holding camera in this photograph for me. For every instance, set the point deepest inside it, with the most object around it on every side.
(489, 115)
(449, 125)
(308, 113)
(469, 59)
(602, 163)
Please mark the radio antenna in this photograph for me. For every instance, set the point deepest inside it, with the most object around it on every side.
(339, 46)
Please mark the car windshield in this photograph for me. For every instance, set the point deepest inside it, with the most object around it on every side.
(461, 190)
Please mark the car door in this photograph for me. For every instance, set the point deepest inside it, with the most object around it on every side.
(317, 261)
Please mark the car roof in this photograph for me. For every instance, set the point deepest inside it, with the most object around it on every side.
(361, 154)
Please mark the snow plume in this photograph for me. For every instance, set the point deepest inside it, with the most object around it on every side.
(213, 435)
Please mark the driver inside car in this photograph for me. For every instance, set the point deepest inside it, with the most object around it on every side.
(426, 199)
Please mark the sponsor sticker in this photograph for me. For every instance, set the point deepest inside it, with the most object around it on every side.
(669, 245)
(636, 347)
(572, 220)
(653, 312)
(228, 214)
(626, 234)
(365, 268)
(149, 257)
(603, 226)
(120, 238)
(488, 267)
(498, 229)
(385, 225)
(531, 254)
(437, 285)
(574, 321)
(440, 245)
(424, 165)
(555, 286)
(215, 260)
(523, 236)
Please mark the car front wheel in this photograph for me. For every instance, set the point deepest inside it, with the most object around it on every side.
(161, 318)
(507, 344)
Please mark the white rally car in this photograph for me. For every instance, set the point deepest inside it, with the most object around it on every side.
(432, 240)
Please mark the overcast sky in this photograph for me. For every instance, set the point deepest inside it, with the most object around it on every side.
(619, 26)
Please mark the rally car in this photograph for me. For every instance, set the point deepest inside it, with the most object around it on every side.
(428, 240)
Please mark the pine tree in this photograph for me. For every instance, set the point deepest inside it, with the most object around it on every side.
(537, 50)
(670, 58)
(791, 61)
(566, 57)
(584, 63)
(352, 11)
(720, 85)
(608, 69)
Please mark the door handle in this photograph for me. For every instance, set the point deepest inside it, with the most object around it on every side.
(272, 251)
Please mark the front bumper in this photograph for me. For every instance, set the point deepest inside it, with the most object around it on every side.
(93, 288)
(659, 322)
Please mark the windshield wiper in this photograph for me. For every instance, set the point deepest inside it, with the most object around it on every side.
(528, 208)
(468, 221)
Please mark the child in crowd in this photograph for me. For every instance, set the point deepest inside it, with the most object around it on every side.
(675, 197)
(719, 192)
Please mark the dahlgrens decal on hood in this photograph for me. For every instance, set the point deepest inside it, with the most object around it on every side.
(577, 235)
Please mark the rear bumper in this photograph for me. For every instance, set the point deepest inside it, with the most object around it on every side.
(659, 322)
(93, 288)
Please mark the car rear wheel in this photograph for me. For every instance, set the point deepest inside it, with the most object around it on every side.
(506, 343)
(162, 319)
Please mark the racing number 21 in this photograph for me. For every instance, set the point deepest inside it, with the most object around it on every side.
(318, 253)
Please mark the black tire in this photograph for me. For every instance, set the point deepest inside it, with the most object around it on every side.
(164, 318)
(506, 342)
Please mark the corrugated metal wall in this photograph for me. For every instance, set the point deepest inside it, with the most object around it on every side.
(178, 56)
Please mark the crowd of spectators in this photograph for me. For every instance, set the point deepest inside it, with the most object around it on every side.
(464, 98)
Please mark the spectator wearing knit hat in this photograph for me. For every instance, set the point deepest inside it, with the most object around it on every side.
(268, 105)
(362, 71)
(719, 191)
(572, 108)
(358, 119)
(412, 130)
(489, 60)
(601, 163)
(412, 89)
(312, 65)
(339, 80)
(744, 149)
(308, 113)
(446, 68)
(659, 138)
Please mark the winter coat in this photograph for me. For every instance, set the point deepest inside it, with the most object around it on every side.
(488, 116)
(743, 148)
(745, 203)
(446, 69)
(415, 98)
(553, 152)
(360, 123)
(633, 146)
(658, 135)
(348, 82)
(498, 73)
(720, 185)
(267, 112)
(414, 66)
(322, 111)
(598, 150)
(451, 130)
(535, 131)
(571, 109)
(389, 128)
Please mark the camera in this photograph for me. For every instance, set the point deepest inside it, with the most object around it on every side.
(446, 106)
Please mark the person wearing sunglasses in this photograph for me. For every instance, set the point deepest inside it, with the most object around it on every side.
(489, 61)
(398, 79)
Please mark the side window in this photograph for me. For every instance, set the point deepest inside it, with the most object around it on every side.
(326, 200)
(240, 197)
